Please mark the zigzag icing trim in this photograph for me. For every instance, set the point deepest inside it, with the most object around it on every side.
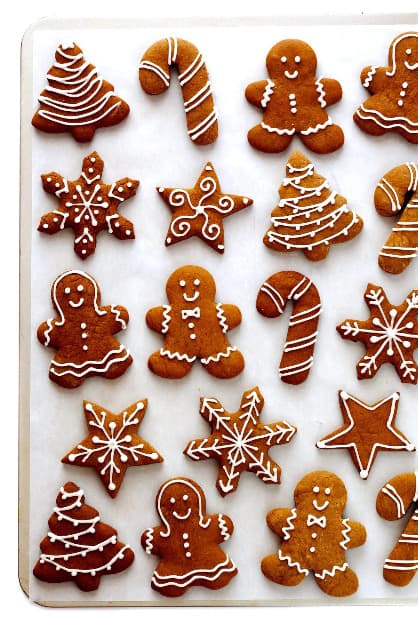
(118, 318)
(177, 355)
(369, 76)
(223, 527)
(321, 92)
(291, 563)
(290, 525)
(148, 541)
(221, 317)
(218, 356)
(331, 573)
(167, 318)
(346, 538)
(267, 93)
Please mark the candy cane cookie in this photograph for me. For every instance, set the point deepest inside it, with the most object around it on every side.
(394, 501)
(396, 194)
(154, 76)
(275, 292)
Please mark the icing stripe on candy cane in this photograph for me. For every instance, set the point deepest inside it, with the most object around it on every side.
(154, 76)
(301, 337)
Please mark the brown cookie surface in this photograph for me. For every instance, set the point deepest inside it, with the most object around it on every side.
(240, 441)
(293, 102)
(82, 335)
(77, 99)
(393, 105)
(367, 429)
(187, 542)
(315, 537)
(79, 547)
(88, 205)
(199, 211)
(310, 216)
(194, 327)
(112, 444)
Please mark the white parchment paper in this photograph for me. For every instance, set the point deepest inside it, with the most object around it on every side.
(152, 145)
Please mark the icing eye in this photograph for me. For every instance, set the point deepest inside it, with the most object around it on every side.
(196, 282)
(283, 59)
(172, 500)
(297, 59)
(182, 283)
(408, 51)
(80, 288)
(315, 489)
(327, 491)
(185, 497)
(67, 290)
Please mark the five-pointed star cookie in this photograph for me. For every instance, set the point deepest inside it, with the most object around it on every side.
(390, 334)
(88, 205)
(239, 442)
(200, 210)
(113, 444)
(367, 429)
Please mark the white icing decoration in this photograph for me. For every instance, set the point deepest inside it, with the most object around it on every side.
(100, 366)
(369, 78)
(217, 357)
(267, 93)
(331, 573)
(202, 522)
(292, 564)
(321, 92)
(207, 574)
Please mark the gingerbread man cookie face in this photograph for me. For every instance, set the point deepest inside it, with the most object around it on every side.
(392, 106)
(188, 541)
(293, 101)
(83, 333)
(315, 537)
(194, 327)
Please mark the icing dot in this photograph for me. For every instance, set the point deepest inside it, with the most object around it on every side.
(55, 219)
(105, 204)
(140, 406)
(91, 170)
(186, 545)
(283, 59)
(363, 474)
(160, 189)
(400, 102)
(172, 500)
(315, 489)
(188, 554)
(407, 344)
(404, 85)
(193, 336)
(190, 325)
(293, 110)
(57, 185)
(120, 189)
(84, 335)
(48, 179)
(68, 204)
(95, 211)
(408, 51)
(74, 196)
(117, 224)
(297, 59)
(86, 217)
(112, 486)
(93, 160)
(45, 226)
(208, 168)
(80, 288)
(87, 192)
(312, 549)
(83, 325)
(129, 184)
(185, 497)
(196, 282)
(327, 491)
(168, 240)
(314, 535)
(67, 290)
(154, 456)
(182, 283)
(292, 96)
(221, 247)
(402, 93)
(84, 252)
(128, 232)
(245, 201)
(185, 536)
(76, 209)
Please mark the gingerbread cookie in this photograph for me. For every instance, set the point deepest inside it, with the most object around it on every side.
(396, 195)
(392, 106)
(77, 99)
(310, 216)
(83, 333)
(239, 441)
(200, 210)
(293, 101)
(79, 547)
(154, 76)
(390, 335)
(88, 206)
(275, 292)
(187, 542)
(194, 327)
(367, 430)
(113, 444)
(394, 501)
(315, 537)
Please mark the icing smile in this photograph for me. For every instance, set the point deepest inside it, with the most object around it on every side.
(320, 507)
(182, 516)
(411, 67)
(292, 75)
(75, 305)
(191, 298)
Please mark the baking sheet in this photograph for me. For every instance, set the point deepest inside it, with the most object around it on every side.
(152, 145)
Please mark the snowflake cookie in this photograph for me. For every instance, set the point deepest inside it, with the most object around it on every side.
(188, 540)
(113, 444)
(390, 335)
(79, 547)
(200, 210)
(367, 430)
(239, 441)
(88, 205)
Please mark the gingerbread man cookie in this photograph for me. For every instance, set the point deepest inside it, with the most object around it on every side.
(188, 541)
(293, 101)
(315, 537)
(88, 205)
(83, 333)
(194, 327)
(394, 500)
(392, 106)
(77, 99)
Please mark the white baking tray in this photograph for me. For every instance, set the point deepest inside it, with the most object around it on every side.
(152, 145)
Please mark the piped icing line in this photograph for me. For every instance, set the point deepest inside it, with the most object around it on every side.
(411, 127)
(202, 522)
(317, 128)
(47, 332)
(207, 574)
(177, 355)
(274, 296)
(150, 66)
(395, 43)
(321, 92)
(331, 573)
(221, 318)
(166, 319)
(223, 527)
(292, 564)
(149, 540)
(369, 78)
(345, 534)
(289, 524)
(217, 357)
(391, 492)
(118, 318)
(269, 88)
(273, 236)
(277, 130)
(101, 366)
(75, 571)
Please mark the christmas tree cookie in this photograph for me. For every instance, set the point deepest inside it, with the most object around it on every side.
(79, 547)
(77, 99)
(310, 216)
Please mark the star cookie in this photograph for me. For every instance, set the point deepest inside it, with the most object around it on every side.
(390, 334)
(88, 205)
(112, 444)
(200, 210)
(239, 442)
(367, 429)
